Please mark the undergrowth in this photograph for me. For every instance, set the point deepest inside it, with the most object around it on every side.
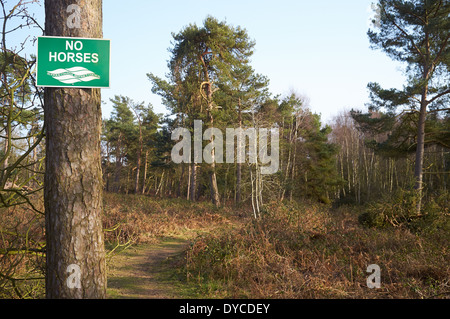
(137, 219)
(311, 251)
(295, 250)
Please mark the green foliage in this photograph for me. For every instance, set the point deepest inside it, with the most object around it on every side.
(120, 128)
(416, 33)
(203, 58)
(400, 132)
(163, 145)
(317, 164)
(320, 163)
(129, 137)
(399, 210)
(16, 78)
(408, 26)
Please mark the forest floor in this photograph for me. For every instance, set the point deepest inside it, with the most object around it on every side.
(162, 231)
(169, 248)
(140, 272)
(295, 251)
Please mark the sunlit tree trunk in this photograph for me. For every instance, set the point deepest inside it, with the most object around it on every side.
(73, 179)
(145, 171)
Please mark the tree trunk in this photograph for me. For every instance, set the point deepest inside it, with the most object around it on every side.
(180, 181)
(145, 171)
(294, 142)
(239, 165)
(73, 178)
(215, 197)
(238, 183)
(118, 168)
(193, 184)
(418, 169)
(138, 164)
(139, 155)
(189, 183)
(159, 189)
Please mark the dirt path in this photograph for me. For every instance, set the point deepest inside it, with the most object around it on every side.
(141, 272)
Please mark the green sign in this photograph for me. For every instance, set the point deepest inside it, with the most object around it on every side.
(73, 62)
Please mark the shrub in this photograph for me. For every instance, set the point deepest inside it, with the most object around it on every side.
(399, 210)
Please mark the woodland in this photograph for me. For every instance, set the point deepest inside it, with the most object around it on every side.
(368, 187)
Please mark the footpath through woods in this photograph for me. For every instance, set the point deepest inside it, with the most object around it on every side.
(162, 229)
(141, 272)
(190, 250)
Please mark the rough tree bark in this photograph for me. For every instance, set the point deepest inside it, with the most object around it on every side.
(73, 180)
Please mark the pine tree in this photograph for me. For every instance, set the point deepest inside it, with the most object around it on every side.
(121, 133)
(202, 57)
(73, 178)
(414, 32)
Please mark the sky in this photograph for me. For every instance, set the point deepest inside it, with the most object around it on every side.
(318, 49)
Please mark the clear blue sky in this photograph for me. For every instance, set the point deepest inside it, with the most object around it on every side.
(317, 48)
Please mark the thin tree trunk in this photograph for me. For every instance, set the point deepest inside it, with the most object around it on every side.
(138, 165)
(136, 181)
(189, 183)
(127, 184)
(139, 152)
(180, 181)
(239, 165)
(193, 185)
(145, 172)
(73, 178)
(215, 197)
(158, 190)
(418, 169)
(253, 193)
(293, 160)
(118, 168)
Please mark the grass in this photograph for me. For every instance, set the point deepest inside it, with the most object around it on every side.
(142, 271)
(151, 225)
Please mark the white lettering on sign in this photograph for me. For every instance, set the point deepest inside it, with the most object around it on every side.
(70, 45)
(73, 57)
(52, 56)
